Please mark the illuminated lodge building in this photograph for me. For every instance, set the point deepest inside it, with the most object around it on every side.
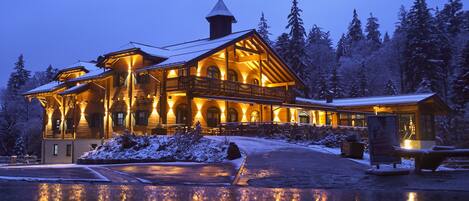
(228, 77)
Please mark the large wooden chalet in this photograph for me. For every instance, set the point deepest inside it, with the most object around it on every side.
(228, 77)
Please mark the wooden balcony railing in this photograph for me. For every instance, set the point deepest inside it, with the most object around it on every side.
(209, 86)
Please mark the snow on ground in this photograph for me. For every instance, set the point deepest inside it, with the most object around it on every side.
(253, 145)
(164, 148)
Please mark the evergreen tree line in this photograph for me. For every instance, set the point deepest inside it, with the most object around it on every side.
(20, 119)
(427, 53)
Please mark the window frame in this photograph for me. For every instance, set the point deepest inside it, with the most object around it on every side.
(213, 72)
(68, 150)
(181, 113)
(231, 113)
(139, 120)
(55, 149)
(213, 117)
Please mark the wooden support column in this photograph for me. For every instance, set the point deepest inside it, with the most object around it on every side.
(62, 120)
(262, 82)
(189, 96)
(131, 98)
(163, 100)
(288, 115)
(271, 113)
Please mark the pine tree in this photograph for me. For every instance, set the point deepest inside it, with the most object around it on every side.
(355, 32)
(373, 35)
(390, 88)
(335, 84)
(282, 46)
(420, 49)
(425, 86)
(297, 34)
(18, 77)
(342, 48)
(322, 88)
(50, 73)
(460, 85)
(19, 148)
(263, 29)
(452, 17)
(354, 91)
(362, 82)
(386, 38)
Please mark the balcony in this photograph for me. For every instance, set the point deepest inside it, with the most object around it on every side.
(204, 86)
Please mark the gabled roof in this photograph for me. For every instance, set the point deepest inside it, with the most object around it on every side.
(75, 89)
(81, 65)
(179, 54)
(220, 9)
(371, 101)
(46, 88)
(148, 49)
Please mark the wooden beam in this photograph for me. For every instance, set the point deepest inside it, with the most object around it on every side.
(252, 58)
(281, 84)
(247, 50)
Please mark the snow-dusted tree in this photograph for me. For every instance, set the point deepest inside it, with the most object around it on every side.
(452, 17)
(320, 54)
(263, 29)
(390, 88)
(362, 82)
(425, 86)
(354, 91)
(342, 47)
(18, 77)
(355, 32)
(296, 54)
(460, 95)
(386, 38)
(419, 52)
(282, 46)
(19, 148)
(321, 85)
(373, 36)
(50, 73)
(335, 84)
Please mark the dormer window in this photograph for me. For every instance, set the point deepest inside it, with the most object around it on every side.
(213, 72)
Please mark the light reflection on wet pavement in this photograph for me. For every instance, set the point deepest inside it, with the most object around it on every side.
(202, 174)
(42, 191)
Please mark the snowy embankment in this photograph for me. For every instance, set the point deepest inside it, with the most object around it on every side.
(187, 148)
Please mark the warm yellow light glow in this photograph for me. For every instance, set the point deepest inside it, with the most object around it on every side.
(276, 115)
(292, 115)
(408, 144)
(244, 109)
(199, 103)
(245, 77)
(412, 196)
(264, 80)
(222, 106)
(322, 118)
(172, 73)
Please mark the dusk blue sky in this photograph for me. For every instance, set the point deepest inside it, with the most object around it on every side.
(61, 32)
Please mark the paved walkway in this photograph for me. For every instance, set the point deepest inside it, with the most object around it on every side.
(269, 163)
(279, 164)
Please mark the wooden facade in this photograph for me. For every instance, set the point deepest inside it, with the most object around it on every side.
(228, 77)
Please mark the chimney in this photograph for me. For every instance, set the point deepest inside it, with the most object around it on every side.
(221, 20)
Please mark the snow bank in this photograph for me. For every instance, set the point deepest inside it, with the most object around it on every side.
(160, 148)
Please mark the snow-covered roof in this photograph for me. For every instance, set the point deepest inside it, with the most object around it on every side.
(149, 49)
(51, 86)
(181, 53)
(368, 101)
(97, 73)
(88, 66)
(75, 89)
(220, 9)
